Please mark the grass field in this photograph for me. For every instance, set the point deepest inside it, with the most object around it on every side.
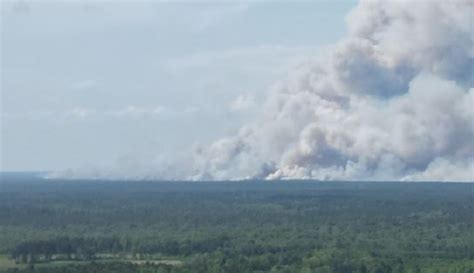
(7, 263)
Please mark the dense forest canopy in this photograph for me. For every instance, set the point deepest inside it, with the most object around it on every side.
(253, 226)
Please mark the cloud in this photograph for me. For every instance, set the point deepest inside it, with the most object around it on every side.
(132, 111)
(242, 103)
(255, 59)
(126, 112)
(80, 113)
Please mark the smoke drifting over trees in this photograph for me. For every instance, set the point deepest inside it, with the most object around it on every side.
(392, 100)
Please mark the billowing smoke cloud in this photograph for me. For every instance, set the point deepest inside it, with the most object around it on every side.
(392, 101)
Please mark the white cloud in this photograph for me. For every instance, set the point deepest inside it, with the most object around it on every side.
(80, 113)
(256, 58)
(132, 111)
(243, 103)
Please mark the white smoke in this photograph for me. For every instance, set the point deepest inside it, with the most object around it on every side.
(393, 100)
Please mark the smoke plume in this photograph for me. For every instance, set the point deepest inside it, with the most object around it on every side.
(393, 100)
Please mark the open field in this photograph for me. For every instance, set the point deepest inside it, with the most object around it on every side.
(8, 263)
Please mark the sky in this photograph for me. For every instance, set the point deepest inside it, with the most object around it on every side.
(230, 90)
(91, 82)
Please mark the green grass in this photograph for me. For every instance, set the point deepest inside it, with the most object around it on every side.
(7, 263)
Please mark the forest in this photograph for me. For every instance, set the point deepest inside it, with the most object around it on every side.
(235, 227)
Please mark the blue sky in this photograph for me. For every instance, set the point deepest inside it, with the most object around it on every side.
(89, 82)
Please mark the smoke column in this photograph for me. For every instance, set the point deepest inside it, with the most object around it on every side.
(392, 100)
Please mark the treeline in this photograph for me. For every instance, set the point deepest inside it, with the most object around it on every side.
(65, 248)
(115, 267)
(217, 264)
(218, 256)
